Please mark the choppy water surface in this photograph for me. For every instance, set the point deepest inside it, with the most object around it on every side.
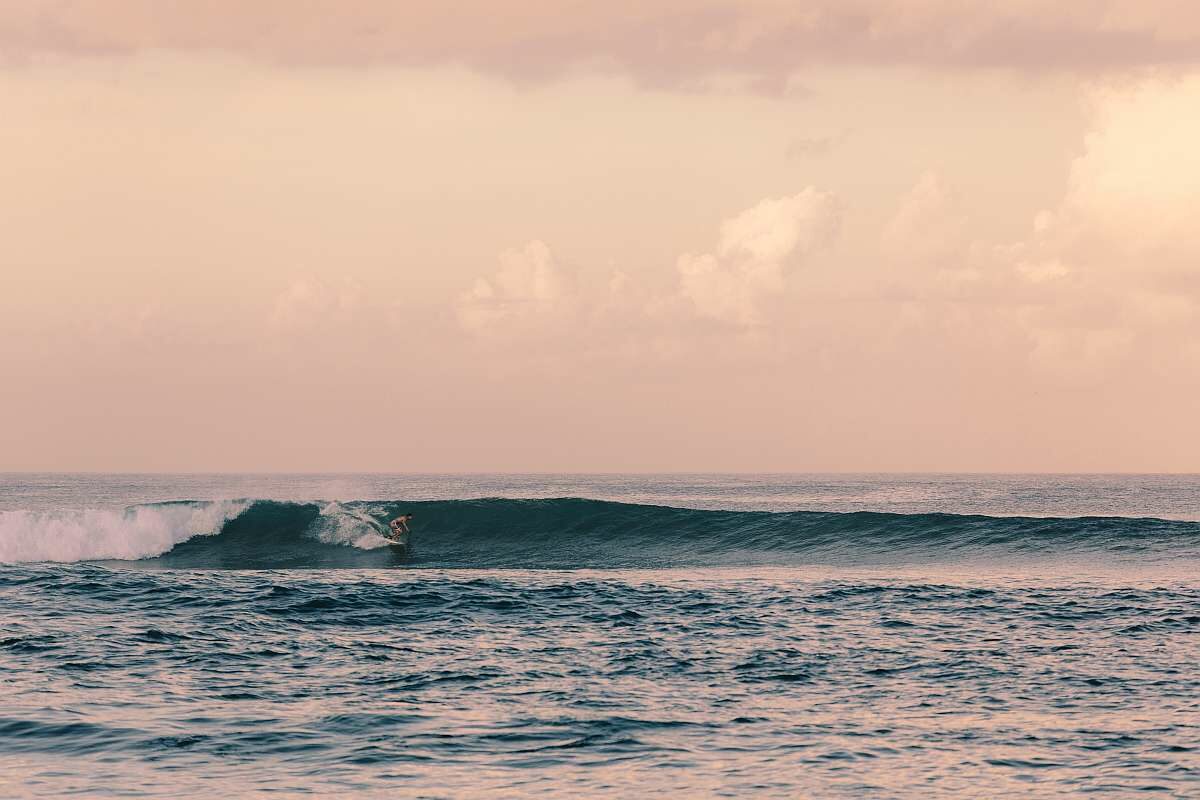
(860, 636)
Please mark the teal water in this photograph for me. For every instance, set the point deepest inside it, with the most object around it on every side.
(776, 636)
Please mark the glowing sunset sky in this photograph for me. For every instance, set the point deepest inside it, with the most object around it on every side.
(709, 235)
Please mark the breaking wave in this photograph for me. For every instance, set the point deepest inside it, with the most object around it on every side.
(93, 534)
(560, 534)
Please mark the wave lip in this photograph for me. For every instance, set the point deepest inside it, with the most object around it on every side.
(564, 533)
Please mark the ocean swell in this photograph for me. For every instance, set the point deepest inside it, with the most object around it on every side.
(560, 534)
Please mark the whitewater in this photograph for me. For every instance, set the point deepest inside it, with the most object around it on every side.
(607, 635)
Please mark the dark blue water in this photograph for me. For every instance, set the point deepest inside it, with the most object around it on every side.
(829, 636)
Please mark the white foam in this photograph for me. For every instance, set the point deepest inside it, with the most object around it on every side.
(95, 534)
(348, 526)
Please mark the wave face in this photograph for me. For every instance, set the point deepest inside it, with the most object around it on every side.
(560, 534)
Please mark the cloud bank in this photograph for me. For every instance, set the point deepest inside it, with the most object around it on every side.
(667, 41)
(309, 266)
(1105, 281)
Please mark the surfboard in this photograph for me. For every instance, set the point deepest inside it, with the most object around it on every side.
(397, 543)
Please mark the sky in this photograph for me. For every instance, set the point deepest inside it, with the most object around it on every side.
(838, 235)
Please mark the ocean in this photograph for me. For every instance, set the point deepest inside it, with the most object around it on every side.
(825, 636)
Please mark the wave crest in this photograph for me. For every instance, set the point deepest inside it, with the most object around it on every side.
(96, 534)
(562, 534)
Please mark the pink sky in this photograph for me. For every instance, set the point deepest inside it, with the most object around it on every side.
(854, 235)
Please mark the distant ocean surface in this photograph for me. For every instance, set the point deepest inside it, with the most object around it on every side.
(881, 636)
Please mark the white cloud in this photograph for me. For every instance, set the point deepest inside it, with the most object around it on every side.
(1123, 242)
(755, 251)
(528, 287)
(311, 302)
(777, 231)
(719, 292)
(1079, 355)
(1135, 189)
(1107, 278)
(927, 230)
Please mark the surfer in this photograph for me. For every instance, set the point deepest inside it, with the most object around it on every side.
(399, 526)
